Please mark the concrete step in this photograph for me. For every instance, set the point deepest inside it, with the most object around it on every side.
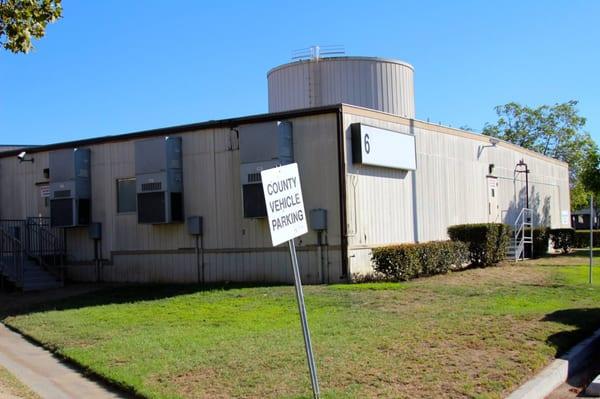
(41, 280)
(34, 276)
(39, 286)
(36, 272)
(39, 276)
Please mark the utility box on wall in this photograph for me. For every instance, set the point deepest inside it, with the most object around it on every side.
(318, 219)
(95, 231)
(262, 146)
(194, 225)
(159, 180)
(70, 188)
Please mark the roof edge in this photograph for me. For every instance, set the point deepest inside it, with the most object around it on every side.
(452, 130)
(210, 124)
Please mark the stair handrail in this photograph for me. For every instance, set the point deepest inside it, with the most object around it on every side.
(521, 236)
(48, 237)
(57, 247)
(17, 251)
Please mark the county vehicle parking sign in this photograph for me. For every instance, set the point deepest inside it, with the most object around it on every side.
(287, 220)
(285, 206)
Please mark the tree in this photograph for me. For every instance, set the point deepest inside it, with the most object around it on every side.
(580, 196)
(590, 173)
(555, 131)
(20, 20)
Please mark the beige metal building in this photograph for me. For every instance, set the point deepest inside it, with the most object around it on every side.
(455, 177)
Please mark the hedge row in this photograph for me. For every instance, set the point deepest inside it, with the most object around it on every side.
(482, 245)
(407, 261)
(563, 239)
(541, 235)
(566, 239)
(487, 242)
(582, 238)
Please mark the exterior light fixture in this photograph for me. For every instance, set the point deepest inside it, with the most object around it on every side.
(22, 157)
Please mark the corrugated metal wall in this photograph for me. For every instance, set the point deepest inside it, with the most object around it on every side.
(237, 249)
(383, 206)
(20, 187)
(375, 83)
(450, 186)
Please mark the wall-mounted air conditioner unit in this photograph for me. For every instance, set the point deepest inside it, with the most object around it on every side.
(70, 188)
(159, 180)
(262, 146)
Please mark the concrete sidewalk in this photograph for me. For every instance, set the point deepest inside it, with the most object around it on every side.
(45, 374)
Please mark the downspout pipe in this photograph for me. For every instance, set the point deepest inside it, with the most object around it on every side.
(342, 190)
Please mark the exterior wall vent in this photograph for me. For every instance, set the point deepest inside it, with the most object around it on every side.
(254, 178)
(262, 146)
(62, 193)
(159, 180)
(152, 186)
(70, 187)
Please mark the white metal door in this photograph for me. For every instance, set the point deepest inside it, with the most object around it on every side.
(493, 207)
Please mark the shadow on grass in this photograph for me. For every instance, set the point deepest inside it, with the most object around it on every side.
(17, 303)
(586, 322)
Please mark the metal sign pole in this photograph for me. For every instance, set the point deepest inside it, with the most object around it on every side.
(591, 234)
(302, 309)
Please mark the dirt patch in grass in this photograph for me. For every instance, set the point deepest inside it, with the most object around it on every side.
(576, 257)
(201, 384)
(505, 273)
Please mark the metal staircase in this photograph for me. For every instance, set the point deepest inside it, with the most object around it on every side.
(522, 235)
(32, 254)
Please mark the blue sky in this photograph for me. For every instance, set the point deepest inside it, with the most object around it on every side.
(113, 67)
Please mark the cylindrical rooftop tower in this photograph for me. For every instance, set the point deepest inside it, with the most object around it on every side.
(377, 83)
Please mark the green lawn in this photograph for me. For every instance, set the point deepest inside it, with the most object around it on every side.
(11, 387)
(478, 333)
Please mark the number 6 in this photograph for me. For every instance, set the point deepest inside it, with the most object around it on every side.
(367, 144)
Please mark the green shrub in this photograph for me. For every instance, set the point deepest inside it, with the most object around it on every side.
(582, 238)
(407, 261)
(487, 242)
(563, 239)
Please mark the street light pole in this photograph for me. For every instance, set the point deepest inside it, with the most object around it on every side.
(591, 235)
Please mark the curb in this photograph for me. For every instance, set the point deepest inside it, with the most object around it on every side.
(550, 378)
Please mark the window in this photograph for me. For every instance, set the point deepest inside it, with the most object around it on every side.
(126, 196)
